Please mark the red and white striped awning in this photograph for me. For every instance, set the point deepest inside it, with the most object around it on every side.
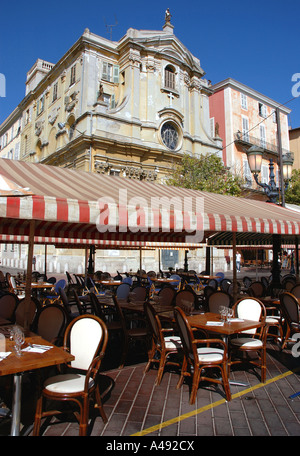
(78, 205)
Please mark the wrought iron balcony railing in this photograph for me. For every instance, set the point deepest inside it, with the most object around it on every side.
(248, 140)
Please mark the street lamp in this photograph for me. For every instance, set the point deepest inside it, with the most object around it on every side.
(287, 167)
(255, 155)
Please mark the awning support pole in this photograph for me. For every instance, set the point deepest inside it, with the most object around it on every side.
(29, 275)
(234, 267)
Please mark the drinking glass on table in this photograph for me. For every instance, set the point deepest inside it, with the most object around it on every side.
(17, 335)
(229, 313)
(223, 312)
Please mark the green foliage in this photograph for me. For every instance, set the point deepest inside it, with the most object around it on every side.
(206, 173)
(292, 194)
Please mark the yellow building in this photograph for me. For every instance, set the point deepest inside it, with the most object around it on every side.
(131, 107)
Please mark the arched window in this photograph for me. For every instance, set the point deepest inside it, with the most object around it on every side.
(170, 77)
(169, 135)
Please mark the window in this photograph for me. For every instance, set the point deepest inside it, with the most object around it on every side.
(169, 77)
(245, 128)
(73, 74)
(17, 151)
(27, 117)
(212, 127)
(244, 104)
(40, 105)
(247, 173)
(169, 135)
(262, 110)
(264, 174)
(262, 131)
(274, 116)
(110, 72)
(55, 91)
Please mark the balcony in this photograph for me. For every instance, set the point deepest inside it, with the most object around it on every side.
(247, 140)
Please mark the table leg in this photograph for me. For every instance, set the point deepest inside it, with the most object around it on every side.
(16, 407)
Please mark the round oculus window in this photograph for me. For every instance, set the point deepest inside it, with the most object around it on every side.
(169, 135)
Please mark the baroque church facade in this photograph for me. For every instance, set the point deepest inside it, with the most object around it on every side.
(131, 107)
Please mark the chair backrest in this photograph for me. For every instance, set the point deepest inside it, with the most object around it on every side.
(8, 304)
(85, 337)
(213, 283)
(186, 335)
(151, 274)
(167, 295)
(50, 323)
(186, 300)
(3, 283)
(220, 276)
(154, 323)
(250, 308)
(289, 284)
(97, 306)
(128, 280)
(69, 278)
(60, 284)
(51, 280)
(12, 286)
(34, 306)
(256, 289)
(122, 291)
(225, 283)
(177, 278)
(217, 299)
(139, 293)
(290, 307)
(296, 290)
(247, 281)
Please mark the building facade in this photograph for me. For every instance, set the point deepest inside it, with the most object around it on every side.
(243, 118)
(295, 145)
(131, 107)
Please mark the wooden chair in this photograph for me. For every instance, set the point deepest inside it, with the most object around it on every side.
(8, 305)
(200, 355)
(166, 295)
(291, 314)
(34, 306)
(296, 290)
(256, 289)
(250, 341)
(86, 338)
(186, 300)
(164, 343)
(138, 293)
(217, 299)
(130, 332)
(50, 323)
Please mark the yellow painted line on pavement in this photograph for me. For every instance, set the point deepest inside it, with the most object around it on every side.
(214, 404)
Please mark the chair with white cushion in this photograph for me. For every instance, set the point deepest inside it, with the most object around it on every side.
(251, 341)
(201, 355)
(86, 339)
(164, 343)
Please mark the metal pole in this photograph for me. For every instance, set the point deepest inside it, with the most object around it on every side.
(281, 189)
(16, 407)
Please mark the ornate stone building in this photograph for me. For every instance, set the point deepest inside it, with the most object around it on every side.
(131, 107)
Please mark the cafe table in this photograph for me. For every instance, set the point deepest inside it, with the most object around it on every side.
(212, 322)
(36, 354)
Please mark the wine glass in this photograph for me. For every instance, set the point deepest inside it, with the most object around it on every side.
(230, 313)
(17, 335)
(222, 310)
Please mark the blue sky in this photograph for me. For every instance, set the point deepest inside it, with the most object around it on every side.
(256, 43)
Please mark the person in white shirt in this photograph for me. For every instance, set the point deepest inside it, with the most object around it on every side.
(238, 261)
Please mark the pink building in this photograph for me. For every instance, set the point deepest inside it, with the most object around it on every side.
(243, 117)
